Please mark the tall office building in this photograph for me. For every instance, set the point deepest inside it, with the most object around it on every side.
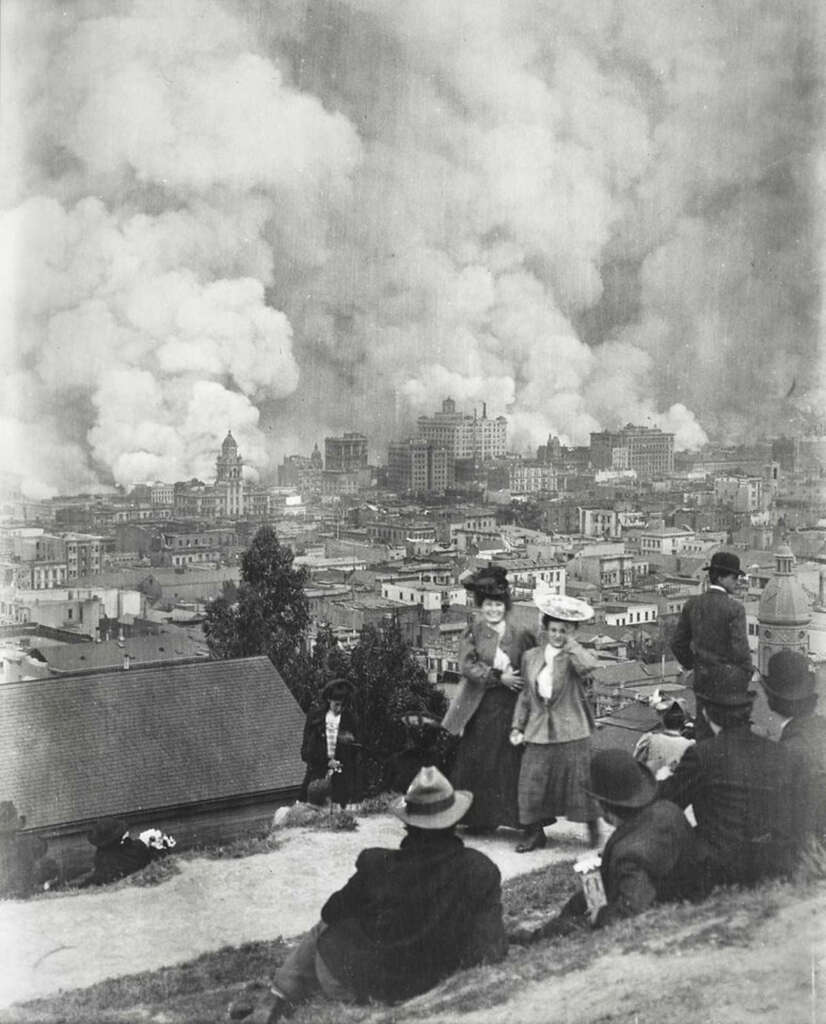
(345, 454)
(647, 450)
(419, 467)
(465, 436)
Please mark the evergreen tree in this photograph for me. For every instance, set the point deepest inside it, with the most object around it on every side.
(270, 615)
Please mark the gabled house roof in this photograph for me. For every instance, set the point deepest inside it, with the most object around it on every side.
(142, 650)
(74, 748)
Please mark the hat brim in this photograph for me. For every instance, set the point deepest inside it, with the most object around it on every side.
(728, 700)
(462, 799)
(564, 608)
(795, 693)
(645, 795)
(726, 570)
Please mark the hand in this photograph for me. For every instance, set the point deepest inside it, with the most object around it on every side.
(511, 679)
(571, 645)
(334, 765)
(346, 737)
(664, 773)
(517, 737)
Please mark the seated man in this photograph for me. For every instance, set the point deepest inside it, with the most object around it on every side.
(116, 855)
(651, 856)
(740, 787)
(404, 921)
(790, 689)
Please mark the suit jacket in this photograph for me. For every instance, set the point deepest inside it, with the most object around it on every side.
(742, 791)
(567, 715)
(409, 917)
(711, 631)
(476, 653)
(650, 858)
(804, 739)
(345, 786)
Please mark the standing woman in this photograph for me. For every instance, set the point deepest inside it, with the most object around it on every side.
(554, 721)
(481, 710)
(330, 748)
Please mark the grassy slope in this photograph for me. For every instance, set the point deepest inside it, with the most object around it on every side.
(740, 951)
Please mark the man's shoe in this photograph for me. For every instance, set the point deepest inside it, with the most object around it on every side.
(535, 841)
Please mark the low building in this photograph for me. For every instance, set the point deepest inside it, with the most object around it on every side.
(429, 596)
(187, 748)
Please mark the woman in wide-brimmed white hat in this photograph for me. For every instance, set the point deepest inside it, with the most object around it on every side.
(554, 721)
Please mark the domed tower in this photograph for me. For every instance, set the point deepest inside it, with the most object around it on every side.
(228, 478)
(784, 613)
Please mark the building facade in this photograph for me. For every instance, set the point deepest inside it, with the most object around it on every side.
(648, 451)
(346, 453)
(465, 436)
(417, 466)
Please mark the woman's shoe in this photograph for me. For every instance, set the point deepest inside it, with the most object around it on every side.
(534, 841)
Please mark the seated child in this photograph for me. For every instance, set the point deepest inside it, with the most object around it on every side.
(663, 748)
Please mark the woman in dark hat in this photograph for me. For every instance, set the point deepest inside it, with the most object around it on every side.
(481, 710)
(330, 748)
(790, 689)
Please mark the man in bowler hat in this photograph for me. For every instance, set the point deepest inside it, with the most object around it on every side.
(711, 636)
(330, 748)
(742, 791)
(651, 856)
(404, 921)
(790, 689)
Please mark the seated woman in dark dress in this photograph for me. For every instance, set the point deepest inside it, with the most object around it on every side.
(481, 710)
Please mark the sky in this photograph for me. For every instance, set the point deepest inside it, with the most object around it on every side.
(300, 218)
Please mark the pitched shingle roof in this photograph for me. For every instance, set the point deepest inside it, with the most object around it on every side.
(80, 747)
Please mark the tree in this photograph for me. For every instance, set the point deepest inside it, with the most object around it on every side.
(270, 615)
(388, 682)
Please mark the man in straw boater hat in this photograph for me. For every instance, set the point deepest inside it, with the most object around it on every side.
(404, 921)
(651, 856)
(742, 791)
(790, 689)
(711, 633)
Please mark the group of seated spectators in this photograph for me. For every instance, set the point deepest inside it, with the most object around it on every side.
(409, 917)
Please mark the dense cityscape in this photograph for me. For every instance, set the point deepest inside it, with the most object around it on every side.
(625, 523)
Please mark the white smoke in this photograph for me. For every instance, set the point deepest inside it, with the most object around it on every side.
(297, 219)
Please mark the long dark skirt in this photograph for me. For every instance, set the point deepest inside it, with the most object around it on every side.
(553, 782)
(488, 765)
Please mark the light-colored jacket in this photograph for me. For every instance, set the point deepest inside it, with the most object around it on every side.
(567, 715)
(476, 653)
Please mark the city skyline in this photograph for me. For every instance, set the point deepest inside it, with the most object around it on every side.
(307, 221)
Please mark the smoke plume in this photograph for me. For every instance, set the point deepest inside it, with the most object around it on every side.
(297, 219)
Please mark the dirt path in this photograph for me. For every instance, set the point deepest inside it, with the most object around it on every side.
(65, 941)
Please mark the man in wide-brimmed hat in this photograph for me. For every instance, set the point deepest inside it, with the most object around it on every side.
(742, 790)
(651, 856)
(790, 689)
(404, 921)
(711, 636)
(330, 747)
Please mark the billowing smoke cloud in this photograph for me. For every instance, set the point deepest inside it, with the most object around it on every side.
(300, 218)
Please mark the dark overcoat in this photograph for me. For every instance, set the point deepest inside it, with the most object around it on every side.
(711, 631)
(345, 785)
(409, 917)
(117, 861)
(742, 791)
(477, 650)
(804, 739)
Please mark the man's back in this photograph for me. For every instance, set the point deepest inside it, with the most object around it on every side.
(804, 739)
(409, 917)
(712, 630)
(740, 786)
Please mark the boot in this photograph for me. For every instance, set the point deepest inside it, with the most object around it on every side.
(534, 840)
